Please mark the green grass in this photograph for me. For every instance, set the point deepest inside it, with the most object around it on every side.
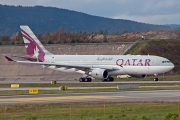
(89, 111)
(136, 49)
(165, 45)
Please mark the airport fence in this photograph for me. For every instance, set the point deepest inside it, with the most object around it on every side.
(91, 111)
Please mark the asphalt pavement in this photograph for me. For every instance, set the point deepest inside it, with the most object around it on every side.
(124, 96)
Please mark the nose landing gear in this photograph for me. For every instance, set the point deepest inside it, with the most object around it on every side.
(156, 77)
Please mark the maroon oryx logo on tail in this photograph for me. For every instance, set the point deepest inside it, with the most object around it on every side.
(32, 48)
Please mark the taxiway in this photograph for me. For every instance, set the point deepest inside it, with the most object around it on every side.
(125, 96)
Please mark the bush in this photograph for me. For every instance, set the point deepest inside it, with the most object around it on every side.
(145, 118)
(50, 42)
(32, 118)
(132, 118)
(123, 115)
(110, 116)
(170, 116)
(98, 119)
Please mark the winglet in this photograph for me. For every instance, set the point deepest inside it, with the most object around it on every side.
(8, 58)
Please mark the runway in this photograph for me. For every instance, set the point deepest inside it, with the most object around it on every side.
(83, 88)
(76, 81)
(126, 96)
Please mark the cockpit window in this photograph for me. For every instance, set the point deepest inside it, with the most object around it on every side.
(166, 62)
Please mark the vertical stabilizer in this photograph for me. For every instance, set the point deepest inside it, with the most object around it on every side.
(34, 48)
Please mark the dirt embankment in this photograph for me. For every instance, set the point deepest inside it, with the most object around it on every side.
(58, 37)
(11, 70)
(150, 35)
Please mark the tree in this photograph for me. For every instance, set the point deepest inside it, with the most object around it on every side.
(64, 41)
(105, 32)
(50, 42)
(13, 43)
(73, 41)
(105, 39)
(125, 31)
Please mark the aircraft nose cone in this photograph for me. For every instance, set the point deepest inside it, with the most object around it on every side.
(172, 65)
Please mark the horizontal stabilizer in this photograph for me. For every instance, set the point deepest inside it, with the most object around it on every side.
(8, 58)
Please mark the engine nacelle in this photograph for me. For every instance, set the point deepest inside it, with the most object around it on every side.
(139, 76)
(99, 73)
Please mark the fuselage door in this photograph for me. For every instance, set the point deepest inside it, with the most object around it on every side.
(81, 61)
(49, 59)
(153, 62)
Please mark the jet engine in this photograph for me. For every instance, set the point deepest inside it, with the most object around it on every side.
(139, 76)
(99, 73)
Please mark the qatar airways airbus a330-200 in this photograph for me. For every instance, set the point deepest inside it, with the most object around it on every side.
(93, 66)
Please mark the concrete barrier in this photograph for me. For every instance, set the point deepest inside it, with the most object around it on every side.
(127, 86)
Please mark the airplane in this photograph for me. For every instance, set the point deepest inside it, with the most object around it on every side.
(92, 66)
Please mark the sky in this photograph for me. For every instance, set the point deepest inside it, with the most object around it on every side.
(146, 11)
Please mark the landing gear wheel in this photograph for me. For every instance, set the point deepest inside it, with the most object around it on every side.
(155, 79)
(85, 79)
(105, 80)
(81, 79)
(109, 79)
(89, 79)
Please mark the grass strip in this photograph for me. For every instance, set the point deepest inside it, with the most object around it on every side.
(91, 111)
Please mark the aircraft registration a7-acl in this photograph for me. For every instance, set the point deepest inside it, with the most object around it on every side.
(93, 66)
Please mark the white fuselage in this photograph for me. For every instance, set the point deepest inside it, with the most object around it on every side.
(122, 64)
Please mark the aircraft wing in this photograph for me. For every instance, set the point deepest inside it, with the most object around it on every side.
(78, 66)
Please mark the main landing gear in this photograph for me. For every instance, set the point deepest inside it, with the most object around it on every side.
(85, 79)
(156, 77)
(88, 79)
(109, 79)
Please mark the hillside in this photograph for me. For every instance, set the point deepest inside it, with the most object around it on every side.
(164, 48)
(48, 19)
(175, 26)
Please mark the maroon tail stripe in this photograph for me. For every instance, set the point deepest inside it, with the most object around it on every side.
(27, 38)
(26, 34)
